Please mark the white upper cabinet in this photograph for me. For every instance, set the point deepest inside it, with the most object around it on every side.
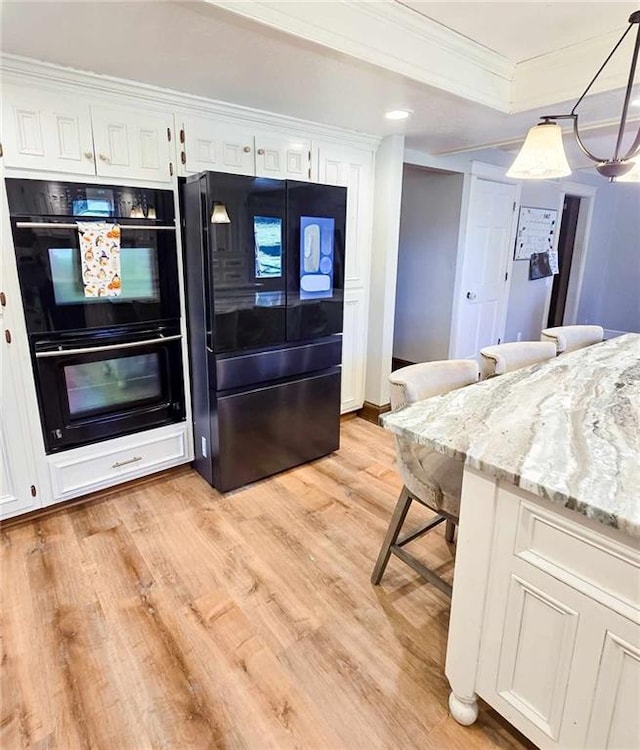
(45, 131)
(133, 143)
(216, 146)
(353, 169)
(283, 158)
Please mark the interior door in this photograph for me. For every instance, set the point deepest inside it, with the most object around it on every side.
(481, 300)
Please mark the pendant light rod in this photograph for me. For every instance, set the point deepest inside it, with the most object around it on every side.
(627, 97)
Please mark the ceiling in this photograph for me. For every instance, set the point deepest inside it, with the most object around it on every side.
(199, 48)
(523, 30)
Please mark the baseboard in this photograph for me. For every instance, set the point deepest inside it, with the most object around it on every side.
(371, 412)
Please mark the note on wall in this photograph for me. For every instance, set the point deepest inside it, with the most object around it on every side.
(536, 232)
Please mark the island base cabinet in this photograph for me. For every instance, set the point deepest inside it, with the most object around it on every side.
(557, 629)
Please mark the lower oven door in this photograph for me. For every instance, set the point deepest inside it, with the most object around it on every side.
(96, 392)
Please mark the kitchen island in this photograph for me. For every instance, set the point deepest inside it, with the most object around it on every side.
(545, 616)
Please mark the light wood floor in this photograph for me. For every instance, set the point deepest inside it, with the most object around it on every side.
(167, 616)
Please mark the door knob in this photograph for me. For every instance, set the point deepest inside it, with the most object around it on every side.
(246, 149)
(471, 295)
(88, 155)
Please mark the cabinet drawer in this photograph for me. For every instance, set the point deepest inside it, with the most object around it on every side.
(102, 465)
(590, 562)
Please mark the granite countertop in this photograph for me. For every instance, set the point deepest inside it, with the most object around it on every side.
(567, 430)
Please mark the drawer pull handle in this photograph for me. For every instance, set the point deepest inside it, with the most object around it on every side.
(133, 460)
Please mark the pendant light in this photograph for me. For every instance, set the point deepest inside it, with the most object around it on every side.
(542, 155)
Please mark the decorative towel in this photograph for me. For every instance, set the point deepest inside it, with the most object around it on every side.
(100, 258)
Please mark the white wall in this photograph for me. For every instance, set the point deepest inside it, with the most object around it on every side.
(528, 299)
(384, 261)
(429, 229)
(611, 286)
(611, 282)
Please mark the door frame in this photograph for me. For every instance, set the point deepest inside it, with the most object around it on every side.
(587, 195)
(492, 173)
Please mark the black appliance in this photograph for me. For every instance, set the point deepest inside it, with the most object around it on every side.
(104, 366)
(264, 266)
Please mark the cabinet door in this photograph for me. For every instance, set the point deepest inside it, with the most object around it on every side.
(18, 481)
(282, 157)
(353, 350)
(217, 146)
(352, 168)
(46, 132)
(133, 144)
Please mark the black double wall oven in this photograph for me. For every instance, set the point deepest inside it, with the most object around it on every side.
(104, 366)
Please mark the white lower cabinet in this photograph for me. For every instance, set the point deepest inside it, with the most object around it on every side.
(19, 491)
(354, 351)
(94, 467)
(560, 651)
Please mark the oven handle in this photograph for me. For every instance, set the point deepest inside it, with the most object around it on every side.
(54, 225)
(108, 348)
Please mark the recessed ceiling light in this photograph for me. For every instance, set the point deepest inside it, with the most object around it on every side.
(398, 114)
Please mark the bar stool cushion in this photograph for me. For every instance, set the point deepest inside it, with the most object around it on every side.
(501, 358)
(570, 338)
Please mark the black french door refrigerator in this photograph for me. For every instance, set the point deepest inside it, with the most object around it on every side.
(264, 264)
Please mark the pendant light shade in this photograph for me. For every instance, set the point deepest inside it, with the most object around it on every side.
(219, 214)
(542, 154)
(634, 174)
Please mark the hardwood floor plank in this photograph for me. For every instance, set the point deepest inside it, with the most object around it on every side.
(166, 615)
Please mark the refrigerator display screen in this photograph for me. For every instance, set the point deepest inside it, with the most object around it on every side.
(267, 232)
(316, 257)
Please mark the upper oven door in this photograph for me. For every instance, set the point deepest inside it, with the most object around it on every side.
(50, 265)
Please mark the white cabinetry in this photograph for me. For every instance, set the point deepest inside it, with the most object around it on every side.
(215, 144)
(57, 133)
(283, 158)
(218, 146)
(132, 143)
(558, 645)
(46, 131)
(352, 168)
(19, 490)
(82, 470)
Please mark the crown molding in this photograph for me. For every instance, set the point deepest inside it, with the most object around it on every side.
(394, 37)
(26, 71)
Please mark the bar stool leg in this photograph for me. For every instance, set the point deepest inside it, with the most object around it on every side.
(395, 525)
(449, 530)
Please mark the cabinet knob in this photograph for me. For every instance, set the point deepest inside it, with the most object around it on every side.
(247, 149)
(471, 295)
(3, 299)
(88, 155)
(261, 151)
(104, 157)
